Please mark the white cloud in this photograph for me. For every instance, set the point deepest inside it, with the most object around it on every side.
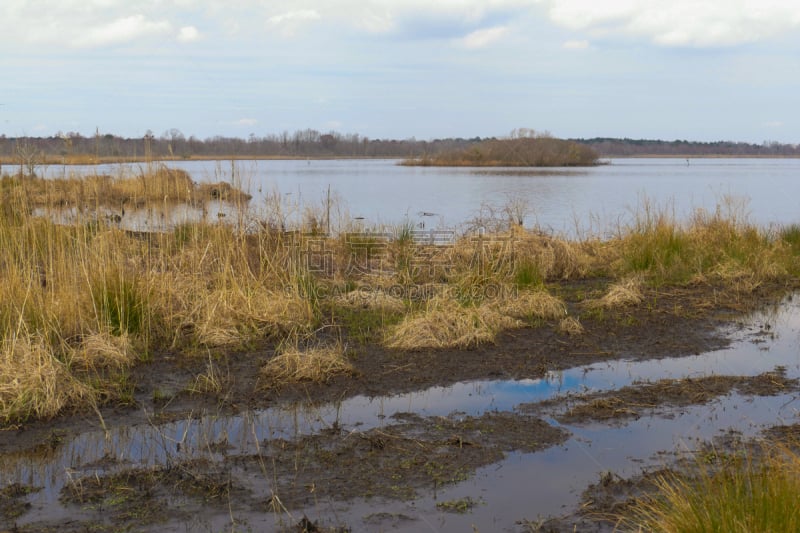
(710, 23)
(123, 30)
(188, 34)
(484, 37)
(245, 122)
(668, 23)
(290, 22)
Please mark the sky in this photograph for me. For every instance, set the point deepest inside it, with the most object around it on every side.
(705, 70)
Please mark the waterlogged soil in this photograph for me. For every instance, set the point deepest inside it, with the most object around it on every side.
(408, 456)
(635, 400)
(397, 461)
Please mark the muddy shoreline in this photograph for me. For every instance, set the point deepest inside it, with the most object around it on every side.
(409, 456)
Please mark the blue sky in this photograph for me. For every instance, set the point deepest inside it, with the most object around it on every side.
(672, 69)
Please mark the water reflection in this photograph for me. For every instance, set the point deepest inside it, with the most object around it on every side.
(160, 218)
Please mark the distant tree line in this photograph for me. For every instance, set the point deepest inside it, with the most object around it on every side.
(609, 147)
(173, 144)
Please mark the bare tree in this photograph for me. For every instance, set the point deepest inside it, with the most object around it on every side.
(29, 157)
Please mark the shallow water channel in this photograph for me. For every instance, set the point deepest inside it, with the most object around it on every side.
(522, 486)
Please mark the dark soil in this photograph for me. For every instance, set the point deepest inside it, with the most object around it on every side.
(410, 454)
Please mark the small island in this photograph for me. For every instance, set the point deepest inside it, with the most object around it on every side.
(522, 149)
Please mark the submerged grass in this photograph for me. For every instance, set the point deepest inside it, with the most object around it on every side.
(81, 303)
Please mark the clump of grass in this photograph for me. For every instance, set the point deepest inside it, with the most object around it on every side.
(365, 314)
(554, 258)
(316, 364)
(119, 304)
(623, 293)
(444, 323)
(532, 305)
(103, 351)
(216, 310)
(460, 506)
(570, 326)
(34, 382)
(655, 244)
(741, 495)
(527, 274)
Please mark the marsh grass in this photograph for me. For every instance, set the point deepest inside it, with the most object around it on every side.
(719, 246)
(445, 323)
(81, 303)
(532, 305)
(791, 235)
(366, 314)
(34, 382)
(154, 184)
(316, 364)
(570, 326)
(740, 495)
(623, 293)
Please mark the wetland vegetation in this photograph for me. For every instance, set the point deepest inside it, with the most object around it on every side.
(527, 149)
(250, 311)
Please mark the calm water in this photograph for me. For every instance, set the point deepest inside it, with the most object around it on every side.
(597, 199)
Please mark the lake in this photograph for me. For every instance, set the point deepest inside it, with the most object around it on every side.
(375, 192)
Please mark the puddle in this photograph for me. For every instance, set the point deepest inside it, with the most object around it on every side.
(522, 486)
(164, 218)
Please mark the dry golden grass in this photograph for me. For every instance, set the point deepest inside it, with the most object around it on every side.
(555, 258)
(81, 300)
(103, 351)
(315, 364)
(155, 185)
(444, 323)
(531, 305)
(376, 300)
(570, 326)
(34, 383)
(623, 293)
(229, 313)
